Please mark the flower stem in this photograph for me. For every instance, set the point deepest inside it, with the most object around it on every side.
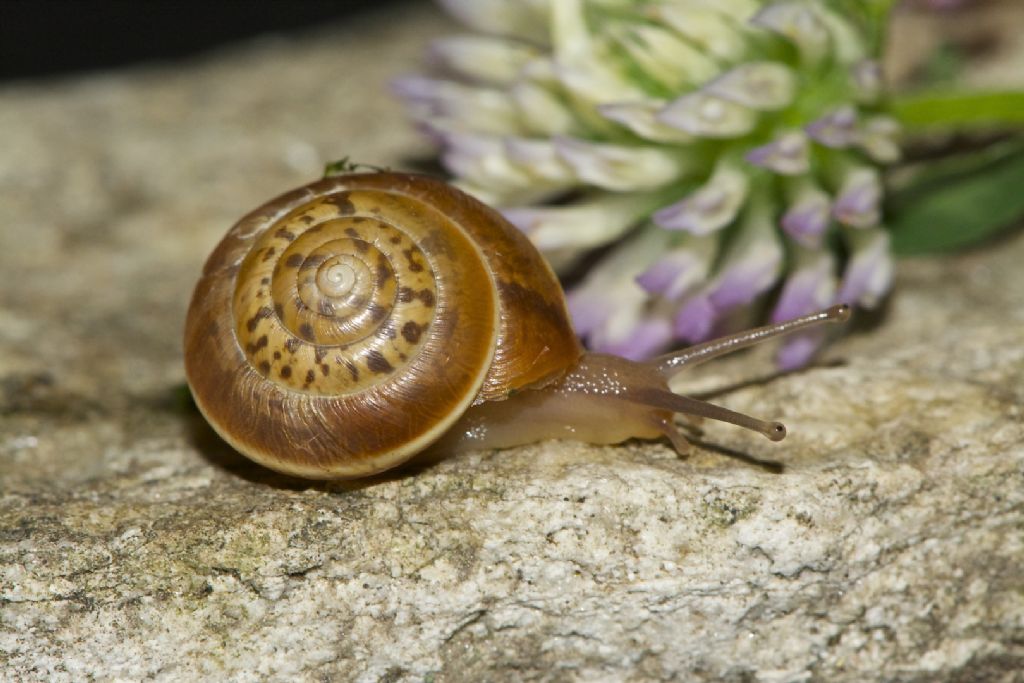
(949, 108)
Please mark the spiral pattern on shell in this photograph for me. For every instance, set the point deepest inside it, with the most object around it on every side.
(344, 326)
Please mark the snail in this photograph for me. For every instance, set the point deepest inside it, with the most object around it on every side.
(344, 327)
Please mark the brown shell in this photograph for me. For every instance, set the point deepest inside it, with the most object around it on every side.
(344, 326)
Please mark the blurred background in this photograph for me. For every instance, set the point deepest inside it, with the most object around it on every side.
(40, 38)
(49, 37)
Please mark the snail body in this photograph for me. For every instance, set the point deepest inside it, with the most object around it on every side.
(345, 326)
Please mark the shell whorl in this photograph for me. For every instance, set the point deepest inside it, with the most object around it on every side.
(338, 294)
(344, 326)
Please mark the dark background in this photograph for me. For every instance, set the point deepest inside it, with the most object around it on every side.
(52, 37)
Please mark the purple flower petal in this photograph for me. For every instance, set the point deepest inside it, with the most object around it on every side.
(807, 289)
(680, 270)
(858, 201)
(740, 285)
(416, 89)
(695, 319)
(868, 274)
(588, 309)
(663, 272)
(483, 158)
(641, 340)
(608, 302)
(786, 155)
(810, 288)
(750, 265)
(482, 110)
(806, 220)
(837, 129)
(711, 207)
(798, 350)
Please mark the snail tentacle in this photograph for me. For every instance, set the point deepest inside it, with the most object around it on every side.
(671, 363)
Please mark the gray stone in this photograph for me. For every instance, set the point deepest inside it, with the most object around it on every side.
(882, 541)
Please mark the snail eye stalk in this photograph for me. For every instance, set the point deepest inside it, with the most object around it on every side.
(671, 363)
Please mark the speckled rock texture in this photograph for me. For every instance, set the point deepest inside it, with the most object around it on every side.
(882, 541)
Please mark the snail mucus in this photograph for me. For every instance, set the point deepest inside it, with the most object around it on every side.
(344, 327)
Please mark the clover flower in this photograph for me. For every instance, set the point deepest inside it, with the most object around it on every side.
(729, 150)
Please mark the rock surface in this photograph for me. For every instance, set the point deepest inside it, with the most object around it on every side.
(882, 541)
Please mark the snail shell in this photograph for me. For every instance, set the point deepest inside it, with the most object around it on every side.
(344, 326)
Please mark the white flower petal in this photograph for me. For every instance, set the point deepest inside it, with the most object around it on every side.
(712, 206)
(681, 269)
(868, 274)
(808, 215)
(482, 161)
(848, 44)
(858, 202)
(570, 36)
(485, 195)
(527, 19)
(695, 319)
(594, 82)
(765, 86)
(866, 76)
(787, 155)
(482, 158)
(541, 111)
(539, 158)
(663, 56)
(837, 129)
(880, 139)
(479, 109)
(583, 225)
(485, 59)
(705, 115)
(741, 10)
(633, 333)
(796, 351)
(751, 264)
(641, 118)
(810, 286)
(749, 267)
(618, 167)
(608, 290)
(800, 23)
(710, 28)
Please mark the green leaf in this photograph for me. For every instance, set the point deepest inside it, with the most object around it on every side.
(962, 206)
(959, 109)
